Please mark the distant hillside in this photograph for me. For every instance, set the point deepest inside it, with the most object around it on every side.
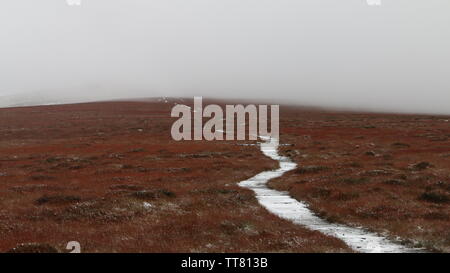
(49, 98)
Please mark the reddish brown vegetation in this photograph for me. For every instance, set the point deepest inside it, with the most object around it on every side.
(390, 173)
(109, 176)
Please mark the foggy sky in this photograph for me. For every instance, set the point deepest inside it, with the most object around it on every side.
(340, 53)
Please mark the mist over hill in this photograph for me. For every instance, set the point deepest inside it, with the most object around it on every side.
(345, 54)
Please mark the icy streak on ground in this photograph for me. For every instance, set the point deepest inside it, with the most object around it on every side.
(286, 207)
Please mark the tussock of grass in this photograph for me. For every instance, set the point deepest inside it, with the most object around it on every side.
(57, 199)
(150, 195)
(435, 196)
(311, 169)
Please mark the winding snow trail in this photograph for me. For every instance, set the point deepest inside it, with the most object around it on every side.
(284, 206)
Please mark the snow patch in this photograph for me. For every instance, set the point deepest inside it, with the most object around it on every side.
(286, 207)
(147, 205)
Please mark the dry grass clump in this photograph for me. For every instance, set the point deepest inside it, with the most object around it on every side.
(311, 169)
(436, 196)
(57, 199)
(33, 248)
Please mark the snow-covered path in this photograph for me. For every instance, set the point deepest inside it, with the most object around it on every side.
(281, 204)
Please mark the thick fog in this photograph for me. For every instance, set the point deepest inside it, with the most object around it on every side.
(342, 53)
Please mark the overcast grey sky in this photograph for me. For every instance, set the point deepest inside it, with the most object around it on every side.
(323, 52)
